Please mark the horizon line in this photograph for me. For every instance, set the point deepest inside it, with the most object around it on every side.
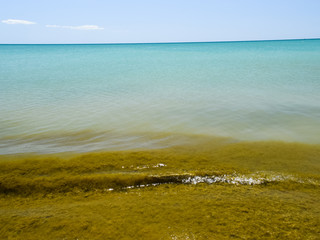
(115, 43)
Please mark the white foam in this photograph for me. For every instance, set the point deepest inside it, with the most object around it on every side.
(254, 179)
(160, 165)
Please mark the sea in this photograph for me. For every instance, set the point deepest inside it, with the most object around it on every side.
(94, 97)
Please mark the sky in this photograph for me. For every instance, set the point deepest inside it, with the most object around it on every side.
(142, 21)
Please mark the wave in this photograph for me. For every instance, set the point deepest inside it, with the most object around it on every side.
(125, 181)
(252, 179)
(209, 161)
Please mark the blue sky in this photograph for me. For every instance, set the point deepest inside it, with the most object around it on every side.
(118, 21)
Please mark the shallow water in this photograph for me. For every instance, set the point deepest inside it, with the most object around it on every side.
(177, 117)
(58, 98)
(215, 189)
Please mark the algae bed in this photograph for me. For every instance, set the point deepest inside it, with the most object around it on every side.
(211, 189)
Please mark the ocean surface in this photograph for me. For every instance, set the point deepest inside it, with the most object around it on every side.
(61, 98)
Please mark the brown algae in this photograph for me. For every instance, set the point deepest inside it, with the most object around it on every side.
(208, 190)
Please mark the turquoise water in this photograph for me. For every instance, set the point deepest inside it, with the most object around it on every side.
(56, 98)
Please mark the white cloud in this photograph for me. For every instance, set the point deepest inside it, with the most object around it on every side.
(82, 27)
(16, 21)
